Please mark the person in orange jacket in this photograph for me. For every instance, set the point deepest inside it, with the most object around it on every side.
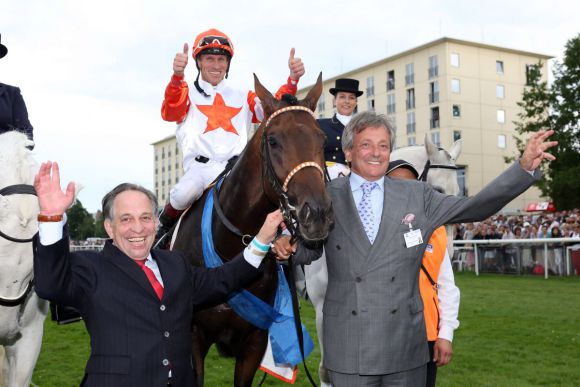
(213, 119)
(437, 285)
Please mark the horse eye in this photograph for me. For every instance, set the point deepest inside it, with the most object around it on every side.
(272, 141)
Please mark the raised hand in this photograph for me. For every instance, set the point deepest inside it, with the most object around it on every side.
(535, 150)
(295, 65)
(180, 61)
(51, 199)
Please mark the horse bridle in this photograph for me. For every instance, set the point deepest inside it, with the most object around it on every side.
(429, 166)
(15, 189)
(288, 210)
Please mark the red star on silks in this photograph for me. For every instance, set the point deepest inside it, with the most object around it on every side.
(219, 115)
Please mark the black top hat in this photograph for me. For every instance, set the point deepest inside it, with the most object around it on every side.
(3, 49)
(395, 164)
(346, 84)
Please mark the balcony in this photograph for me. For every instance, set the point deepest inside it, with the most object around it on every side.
(409, 79)
(390, 84)
(434, 123)
(410, 104)
(411, 127)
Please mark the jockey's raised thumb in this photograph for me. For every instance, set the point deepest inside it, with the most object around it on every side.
(185, 48)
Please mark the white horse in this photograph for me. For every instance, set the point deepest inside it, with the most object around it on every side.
(22, 313)
(437, 167)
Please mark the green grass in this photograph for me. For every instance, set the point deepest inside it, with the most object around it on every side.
(515, 331)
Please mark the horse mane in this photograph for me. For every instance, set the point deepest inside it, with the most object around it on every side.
(17, 163)
(289, 99)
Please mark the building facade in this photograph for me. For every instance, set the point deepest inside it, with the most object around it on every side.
(168, 167)
(450, 89)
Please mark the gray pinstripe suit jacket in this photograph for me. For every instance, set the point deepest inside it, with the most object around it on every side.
(373, 320)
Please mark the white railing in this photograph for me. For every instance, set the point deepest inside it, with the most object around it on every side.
(466, 246)
(86, 247)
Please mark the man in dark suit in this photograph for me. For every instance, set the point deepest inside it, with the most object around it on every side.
(137, 303)
(374, 331)
(345, 92)
(13, 113)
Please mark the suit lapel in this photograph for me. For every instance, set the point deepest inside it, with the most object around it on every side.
(130, 268)
(348, 218)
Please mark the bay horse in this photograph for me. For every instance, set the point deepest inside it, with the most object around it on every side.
(437, 167)
(281, 166)
(22, 313)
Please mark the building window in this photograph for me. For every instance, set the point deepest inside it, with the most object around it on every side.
(176, 166)
(434, 121)
(499, 66)
(501, 116)
(501, 141)
(433, 67)
(411, 141)
(156, 157)
(456, 135)
(162, 153)
(169, 167)
(409, 74)
(176, 149)
(391, 80)
(410, 99)
(411, 125)
(434, 92)
(391, 104)
(435, 138)
(321, 104)
(461, 181)
(454, 59)
(371, 104)
(500, 91)
(370, 86)
(532, 73)
(456, 111)
(455, 86)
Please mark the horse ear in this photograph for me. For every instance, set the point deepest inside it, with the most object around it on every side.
(313, 95)
(267, 99)
(431, 148)
(456, 149)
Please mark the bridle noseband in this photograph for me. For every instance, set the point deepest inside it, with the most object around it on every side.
(429, 166)
(15, 189)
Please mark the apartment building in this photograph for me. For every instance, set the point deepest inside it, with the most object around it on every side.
(168, 167)
(450, 89)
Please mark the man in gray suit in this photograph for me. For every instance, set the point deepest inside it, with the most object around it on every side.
(374, 333)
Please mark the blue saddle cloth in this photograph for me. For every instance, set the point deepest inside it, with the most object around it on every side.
(279, 319)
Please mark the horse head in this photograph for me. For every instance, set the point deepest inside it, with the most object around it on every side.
(443, 179)
(292, 151)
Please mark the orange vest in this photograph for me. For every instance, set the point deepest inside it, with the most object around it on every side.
(432, 259)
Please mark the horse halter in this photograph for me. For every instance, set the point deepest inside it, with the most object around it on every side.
(25, 189)
(429, 166)
(288, 210)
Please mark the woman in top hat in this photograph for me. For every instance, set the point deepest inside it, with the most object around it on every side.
(13, 113)
(345, 92)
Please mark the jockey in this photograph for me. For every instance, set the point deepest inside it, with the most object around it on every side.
(345, 92)
(213, 118)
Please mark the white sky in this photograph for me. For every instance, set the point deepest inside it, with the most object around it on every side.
(93, 73)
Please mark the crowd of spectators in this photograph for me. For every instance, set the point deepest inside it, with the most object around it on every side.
(519, 258)
(562, 224)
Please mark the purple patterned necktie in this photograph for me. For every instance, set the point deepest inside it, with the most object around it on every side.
(365, 210)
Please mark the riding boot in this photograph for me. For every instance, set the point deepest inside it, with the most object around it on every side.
(167, 219)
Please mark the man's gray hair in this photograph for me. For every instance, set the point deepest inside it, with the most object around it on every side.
(109, 198)
(363, 120)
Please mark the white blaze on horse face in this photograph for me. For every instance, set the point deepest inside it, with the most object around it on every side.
(370, 153)
(133, 226)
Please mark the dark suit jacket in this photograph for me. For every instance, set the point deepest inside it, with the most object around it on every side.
(135, 337)
(333, 129)
(13, 113)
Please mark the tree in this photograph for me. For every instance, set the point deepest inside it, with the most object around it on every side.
(81, 224)
(534, 114)
(558, 108)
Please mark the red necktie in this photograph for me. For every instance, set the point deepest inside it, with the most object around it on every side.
(151, 277)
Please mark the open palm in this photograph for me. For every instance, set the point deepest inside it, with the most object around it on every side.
(51, 199)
